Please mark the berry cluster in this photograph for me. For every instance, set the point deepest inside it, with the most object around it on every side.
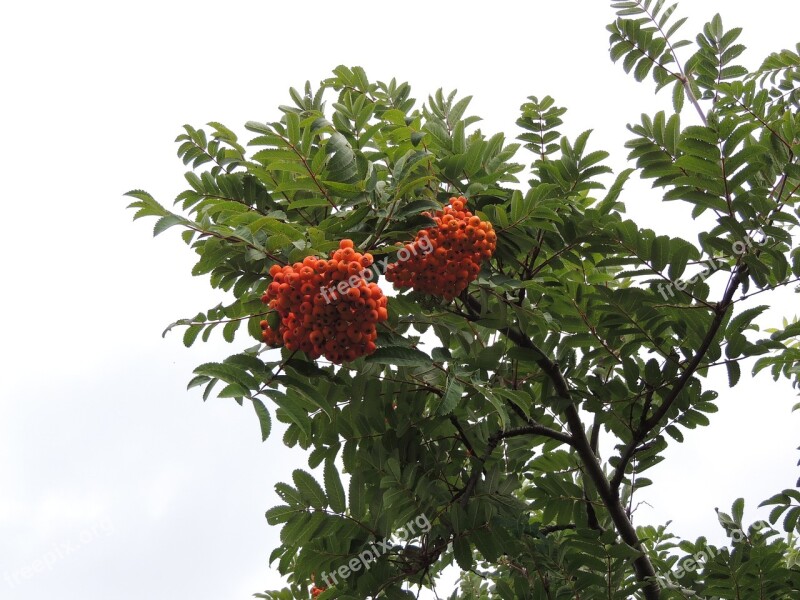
(316, 591)
(460, 242)
(309, 316)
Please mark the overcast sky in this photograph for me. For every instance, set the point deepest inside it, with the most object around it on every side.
(117, 483)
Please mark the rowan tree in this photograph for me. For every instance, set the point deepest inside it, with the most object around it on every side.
(540, 322)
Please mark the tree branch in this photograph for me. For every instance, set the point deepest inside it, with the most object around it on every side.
(648, 424)
(496, 438)
(645, 572)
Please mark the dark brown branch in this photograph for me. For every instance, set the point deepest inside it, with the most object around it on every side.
(594, 441)
(495, 439)
(462, 435)
(681, 75)
(645, 572)
(553, 528)
(534, 428)
(648, 424)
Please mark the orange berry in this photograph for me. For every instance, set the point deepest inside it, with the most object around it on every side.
(332, 324)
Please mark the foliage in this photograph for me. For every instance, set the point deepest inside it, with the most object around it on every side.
(484, 414)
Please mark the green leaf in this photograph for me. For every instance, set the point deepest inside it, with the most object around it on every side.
(263, 418)
(233, 390)
(416, 137)
(229, 330)
(417, 206)
(308, 203)
(190, 335)
(342, 163)
(356, 495)
(197, 380)
(281, 514)
(166, 222)
(229, 373)
(463, 553)
(737, 510)
(674, 433)
(300, 529)
(309, 489)
(792, 519)
(399, 356)
(498, 404)
(296, 414)
(333, 487)
(452, 396)
(734, 372)
(678, 97)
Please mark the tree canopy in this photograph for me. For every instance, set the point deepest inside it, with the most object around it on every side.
(458, 421)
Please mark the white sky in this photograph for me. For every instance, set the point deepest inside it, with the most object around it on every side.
(123, 483)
